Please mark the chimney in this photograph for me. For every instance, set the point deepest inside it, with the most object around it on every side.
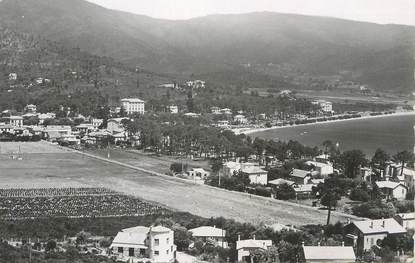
(214, 226)
(239, 237)
(383, 223)
(319, 243)
(342, 243)
(254, 237)
(348, 220)
(303, 243)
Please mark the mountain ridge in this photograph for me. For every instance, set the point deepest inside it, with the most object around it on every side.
(214, 43)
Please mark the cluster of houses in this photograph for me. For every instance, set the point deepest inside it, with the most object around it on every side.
(90, 131)
(156, 244)
(392, 185)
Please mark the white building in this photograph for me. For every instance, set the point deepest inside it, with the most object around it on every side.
(16, 121)
(173, 109)
(153, 243)
(407, 220)
(392, 189)
(337, 254)
(133, 105)
(325, 106)
(240, 119)
(256, 175)
(409, 177)
(323, 169)
(365, 234)
(96, 123)
(244, 247)
(196, 84)
(212, 234)
(30, 108)
(13, 76)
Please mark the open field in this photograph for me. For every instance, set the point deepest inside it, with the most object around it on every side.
(63, 168)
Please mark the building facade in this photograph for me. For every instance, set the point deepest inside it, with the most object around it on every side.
(133, 105)
(156, 244)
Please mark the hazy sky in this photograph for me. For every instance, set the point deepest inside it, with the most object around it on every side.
(379, 11)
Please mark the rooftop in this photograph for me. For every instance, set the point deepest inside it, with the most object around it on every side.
(389, 225)
(299, 173)
(388, 184)
(208, 231)
(253, 170)
(281, 181)
(329, 253)
(406, 216)
(132, 100)
(253, 243)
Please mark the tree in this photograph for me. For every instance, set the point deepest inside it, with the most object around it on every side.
(359, 194)
(285, 192)
(50, 245)
(380, 159)
(351, 161)
(329, 193)
(404, 158)
(328, 146)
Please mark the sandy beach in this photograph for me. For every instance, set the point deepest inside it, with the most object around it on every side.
(255, 130)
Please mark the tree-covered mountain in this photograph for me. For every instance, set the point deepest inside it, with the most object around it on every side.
(378, 55)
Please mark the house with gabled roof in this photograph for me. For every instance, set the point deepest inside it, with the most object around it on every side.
(366, 234)
(392, 189)
(300, 176)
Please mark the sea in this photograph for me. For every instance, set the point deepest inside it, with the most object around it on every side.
(391, 133)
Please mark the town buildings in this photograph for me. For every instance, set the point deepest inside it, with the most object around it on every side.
(133, 105)
(153, 243)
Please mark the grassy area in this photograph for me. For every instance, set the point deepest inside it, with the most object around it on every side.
(68, 169)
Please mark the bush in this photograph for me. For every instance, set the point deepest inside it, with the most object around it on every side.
(374, 210)
(285, 192)
(359, 195)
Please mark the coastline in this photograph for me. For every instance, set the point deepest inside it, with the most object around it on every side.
(247, 131)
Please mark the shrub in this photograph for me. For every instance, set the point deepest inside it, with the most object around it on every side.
(359, 195)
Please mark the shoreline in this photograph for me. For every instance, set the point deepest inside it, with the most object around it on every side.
(248, 131)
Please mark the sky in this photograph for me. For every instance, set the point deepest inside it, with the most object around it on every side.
(377, 11)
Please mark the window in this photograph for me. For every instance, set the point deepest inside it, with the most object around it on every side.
(167, 251)
(142, 251)
(120, 250)
(131, 252)
(156, 242)
(156, 252)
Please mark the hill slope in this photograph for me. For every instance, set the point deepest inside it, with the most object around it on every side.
(378, 55)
